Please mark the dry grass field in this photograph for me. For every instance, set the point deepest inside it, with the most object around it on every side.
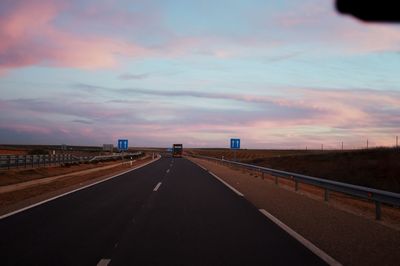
(377, 168)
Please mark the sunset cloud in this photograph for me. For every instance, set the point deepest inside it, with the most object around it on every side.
(29, 36)
(307, 112)
(285, 74)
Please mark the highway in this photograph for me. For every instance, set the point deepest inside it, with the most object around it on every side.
(168, 212)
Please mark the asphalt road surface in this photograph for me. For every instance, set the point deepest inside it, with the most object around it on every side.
(169, 212)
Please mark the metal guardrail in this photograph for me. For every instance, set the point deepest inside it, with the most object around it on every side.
(38, 160)
(122, 156)
(375, 195)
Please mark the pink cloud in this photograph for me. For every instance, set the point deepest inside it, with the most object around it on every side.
(28, 36)
(311, 22)
(369, 38)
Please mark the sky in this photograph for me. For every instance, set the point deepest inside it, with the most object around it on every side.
(276, 74)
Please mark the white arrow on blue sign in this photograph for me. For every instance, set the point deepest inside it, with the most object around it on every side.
(235, 144)
(123, 144)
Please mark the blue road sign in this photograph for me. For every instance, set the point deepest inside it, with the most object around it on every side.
(235, 144)
(122, 144)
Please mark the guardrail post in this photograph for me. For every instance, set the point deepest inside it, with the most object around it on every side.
(262, 175)
(8, 162)
(276, 180)
(25, 160)
(326, 196)
(17, 161)
(32, 161)
(296, 185)
(377, 210)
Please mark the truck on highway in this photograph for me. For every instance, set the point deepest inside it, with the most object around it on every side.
(177, 150)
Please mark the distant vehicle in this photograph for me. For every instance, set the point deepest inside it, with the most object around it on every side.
(177, 150)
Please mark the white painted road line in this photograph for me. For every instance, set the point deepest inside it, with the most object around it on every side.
(205, 169)
(103, 262)
(167, 171)
(157, 187)
(320, 253)
(226, 184)
(75, 190)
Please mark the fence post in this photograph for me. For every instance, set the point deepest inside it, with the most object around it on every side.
(377, 210)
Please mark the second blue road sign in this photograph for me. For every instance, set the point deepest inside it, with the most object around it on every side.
(235, 144)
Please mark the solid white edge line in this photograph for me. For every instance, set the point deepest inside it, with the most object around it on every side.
(317, 251)
(103, 262)
(75, 190)
(226, 184)
(205, 169)
(157, 186)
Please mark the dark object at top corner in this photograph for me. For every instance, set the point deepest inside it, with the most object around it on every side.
(373, 11)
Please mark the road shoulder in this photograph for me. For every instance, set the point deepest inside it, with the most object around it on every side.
(350, 239)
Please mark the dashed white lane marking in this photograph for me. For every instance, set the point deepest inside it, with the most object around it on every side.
(226, 184)
(320, 253)
(157, 186)
(75, 190)
(168, 171)
(103, 262)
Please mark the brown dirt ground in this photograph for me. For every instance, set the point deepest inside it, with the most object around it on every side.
(13, 152)
(340, 227)
(14, 200)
